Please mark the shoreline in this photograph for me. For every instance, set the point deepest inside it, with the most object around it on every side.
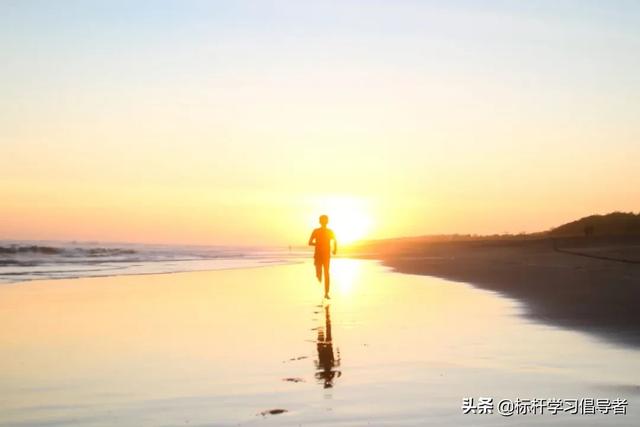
(147, 273)
(590, 293)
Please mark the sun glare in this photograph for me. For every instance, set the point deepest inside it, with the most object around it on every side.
(344, 274)
(349, 217)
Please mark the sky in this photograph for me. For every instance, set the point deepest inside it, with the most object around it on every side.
(239, 122)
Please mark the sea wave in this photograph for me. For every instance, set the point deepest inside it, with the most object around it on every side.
(51, 250)
(20, 261)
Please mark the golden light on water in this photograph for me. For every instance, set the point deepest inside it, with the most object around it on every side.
(345, 274)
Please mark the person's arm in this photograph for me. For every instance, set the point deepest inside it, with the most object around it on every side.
(312, 238)
(335, 244)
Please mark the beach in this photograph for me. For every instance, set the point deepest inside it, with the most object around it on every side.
(258, 346)
(590, 285)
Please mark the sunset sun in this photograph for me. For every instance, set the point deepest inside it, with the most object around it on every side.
(349, 217)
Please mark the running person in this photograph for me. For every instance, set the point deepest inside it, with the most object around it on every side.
(321, 238)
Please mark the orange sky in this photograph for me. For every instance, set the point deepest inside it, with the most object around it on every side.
(240, 124)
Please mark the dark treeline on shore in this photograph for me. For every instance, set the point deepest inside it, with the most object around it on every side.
(612, 228)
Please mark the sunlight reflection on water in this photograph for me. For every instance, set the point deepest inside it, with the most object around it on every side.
(220, 347)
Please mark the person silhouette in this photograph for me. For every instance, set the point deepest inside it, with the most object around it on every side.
(327, 363)
(321, 238)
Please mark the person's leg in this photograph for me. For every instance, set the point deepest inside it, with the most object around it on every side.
(318, 265)
(325, 266)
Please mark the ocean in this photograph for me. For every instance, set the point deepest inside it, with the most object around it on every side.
(34, 260)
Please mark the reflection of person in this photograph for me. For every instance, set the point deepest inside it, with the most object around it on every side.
(321, 238)
(326, 360)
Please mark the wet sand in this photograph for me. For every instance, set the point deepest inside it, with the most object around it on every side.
(591, 285)
(259, 347)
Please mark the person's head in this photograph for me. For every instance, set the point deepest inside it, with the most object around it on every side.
(324, 220)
